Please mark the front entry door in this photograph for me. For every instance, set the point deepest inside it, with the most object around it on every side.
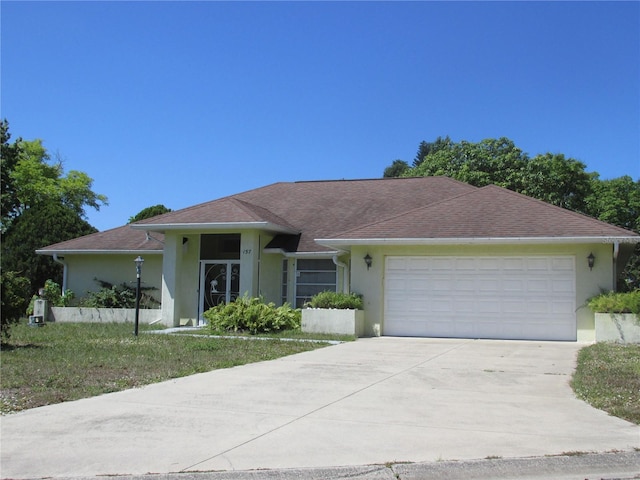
(219, 283)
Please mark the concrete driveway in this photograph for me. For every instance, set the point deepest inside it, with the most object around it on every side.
(372, 401)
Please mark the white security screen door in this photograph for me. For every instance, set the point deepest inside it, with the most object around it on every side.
(219, 283)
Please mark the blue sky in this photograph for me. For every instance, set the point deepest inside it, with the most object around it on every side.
(179, 103)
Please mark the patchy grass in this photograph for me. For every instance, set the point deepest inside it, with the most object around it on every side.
(69, 361)
(608, 377)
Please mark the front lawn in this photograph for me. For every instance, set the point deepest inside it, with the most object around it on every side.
(69, 361)
(608, 377)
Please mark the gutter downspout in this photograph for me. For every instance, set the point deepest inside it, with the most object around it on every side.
(616, 250)
(345, 273)
(65, 271)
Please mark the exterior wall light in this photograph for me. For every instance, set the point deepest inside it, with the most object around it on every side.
(591, 260)
(139, 261)
(368, 260)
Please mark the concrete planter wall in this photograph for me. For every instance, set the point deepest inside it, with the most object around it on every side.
(331, 320)
(617, 327)
(102, 315)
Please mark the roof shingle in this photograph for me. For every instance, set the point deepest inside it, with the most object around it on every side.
(425, 207)
(488, 212)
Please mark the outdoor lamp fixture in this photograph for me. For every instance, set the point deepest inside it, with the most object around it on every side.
(591, 260)
(368, 260)
(139, 261)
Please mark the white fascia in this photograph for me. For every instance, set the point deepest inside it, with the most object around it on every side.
(272, 227)
(330, 254)
(341, 243)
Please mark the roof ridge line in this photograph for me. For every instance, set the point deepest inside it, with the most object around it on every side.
(422, 207)
(251, 208)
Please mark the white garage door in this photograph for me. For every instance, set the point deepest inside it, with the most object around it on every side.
(481, 297)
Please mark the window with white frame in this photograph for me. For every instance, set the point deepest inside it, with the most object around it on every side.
(314, 276)
(285, 281)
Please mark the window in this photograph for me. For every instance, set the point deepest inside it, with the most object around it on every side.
(285, 283)
(314, 276)
(220, 246)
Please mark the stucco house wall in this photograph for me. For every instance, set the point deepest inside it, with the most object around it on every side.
(271, 277)
(370, 283)
(83, 270)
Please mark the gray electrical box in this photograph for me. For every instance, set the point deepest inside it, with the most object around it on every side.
(41, 309)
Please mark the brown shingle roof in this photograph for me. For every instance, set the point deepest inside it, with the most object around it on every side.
(426, 207)
(488, 212)
(322, 208)
(121, 239)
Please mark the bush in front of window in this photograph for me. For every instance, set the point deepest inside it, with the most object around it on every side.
(252, 315)
(339, 300)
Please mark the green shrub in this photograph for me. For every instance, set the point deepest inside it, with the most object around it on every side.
(53, 294)
(253, 315)
(338, 300)
(614, 302)
(118, 296)
(15, 300)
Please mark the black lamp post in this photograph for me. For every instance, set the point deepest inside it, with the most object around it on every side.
(139, 261)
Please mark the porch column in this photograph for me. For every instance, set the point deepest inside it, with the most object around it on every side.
(169, 275)
(249, 263)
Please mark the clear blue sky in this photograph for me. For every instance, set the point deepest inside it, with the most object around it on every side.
(180, 103)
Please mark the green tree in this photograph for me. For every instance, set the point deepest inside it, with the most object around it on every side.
(550, 177)
(558, 180)
(491, 161)
(149, 212)
(14, 291)
(429, 148)
(396, 169)
(37, 227)
(617, 201)
(30, 178)
(9, 156)
(40, 206)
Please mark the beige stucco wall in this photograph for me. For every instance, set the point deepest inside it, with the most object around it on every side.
(82, 270)
(271, 277)
(370, 283)
(187, 284)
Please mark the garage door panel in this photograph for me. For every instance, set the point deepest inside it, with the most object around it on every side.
(481, 297)
(537, 285)
(562, 286)
(563, 264)
(442, 264)
(465, 285)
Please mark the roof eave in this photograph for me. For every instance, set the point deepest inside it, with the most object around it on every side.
(341, 243)
(162, 227)
(101, 252)
(311, 255)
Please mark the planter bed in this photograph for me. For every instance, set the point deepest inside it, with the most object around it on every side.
(331, 320)
(102, 315)
(617, 327)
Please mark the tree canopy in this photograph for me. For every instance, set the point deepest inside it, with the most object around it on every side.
(40, 206)
(30, 178)
(38, 227)
(149, 212)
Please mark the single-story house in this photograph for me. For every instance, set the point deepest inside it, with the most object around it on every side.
(431, 256)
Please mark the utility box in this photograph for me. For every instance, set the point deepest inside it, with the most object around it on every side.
(36, 321)
(41, 309)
